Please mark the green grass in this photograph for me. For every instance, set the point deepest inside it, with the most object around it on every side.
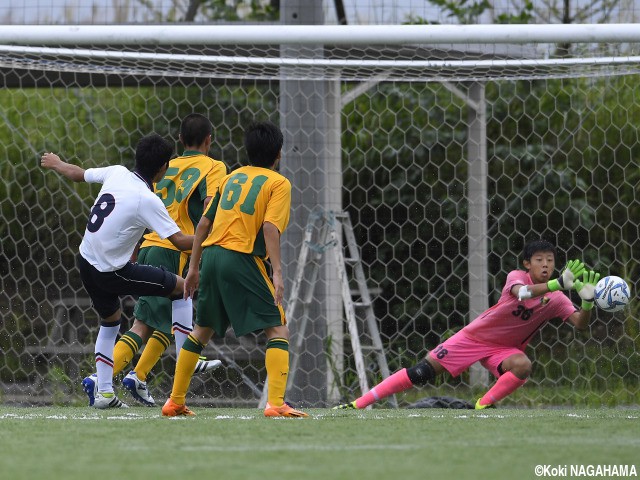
(79, 442)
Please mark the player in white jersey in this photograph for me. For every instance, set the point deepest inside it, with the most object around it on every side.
(125, 207)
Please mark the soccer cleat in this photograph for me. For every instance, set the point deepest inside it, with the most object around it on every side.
(172, 409)
(138, 389)
(346, 406)
(482, 407)
(285, 410)
(205, 365)
(90, 387)
(108, 400)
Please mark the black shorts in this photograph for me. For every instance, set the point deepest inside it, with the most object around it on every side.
(105, 288)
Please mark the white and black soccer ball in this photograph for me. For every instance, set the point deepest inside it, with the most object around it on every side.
(612, 293)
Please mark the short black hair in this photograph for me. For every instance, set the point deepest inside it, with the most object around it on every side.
(195, 128)
(537, 246)
(263, 142)
(152, 153)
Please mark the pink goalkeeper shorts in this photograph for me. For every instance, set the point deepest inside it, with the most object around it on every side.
(459, 352)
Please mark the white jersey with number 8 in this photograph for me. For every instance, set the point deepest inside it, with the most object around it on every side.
(123, 210)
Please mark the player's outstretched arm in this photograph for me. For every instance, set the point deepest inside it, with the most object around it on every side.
(565, 281)
(54, 162)
(571, 271)
(181, 241)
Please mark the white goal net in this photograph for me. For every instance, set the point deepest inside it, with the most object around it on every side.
(449, 148)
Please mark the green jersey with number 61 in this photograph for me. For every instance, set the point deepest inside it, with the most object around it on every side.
(245, 199)
(188, 181)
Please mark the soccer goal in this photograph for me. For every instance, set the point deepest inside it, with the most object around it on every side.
(449, 147)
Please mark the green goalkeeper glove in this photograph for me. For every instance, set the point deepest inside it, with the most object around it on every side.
(586, 288)
(572, 270)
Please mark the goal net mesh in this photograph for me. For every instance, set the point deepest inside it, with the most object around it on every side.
(562, 150)
(391, 62)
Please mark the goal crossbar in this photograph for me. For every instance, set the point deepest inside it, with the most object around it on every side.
(317, 34)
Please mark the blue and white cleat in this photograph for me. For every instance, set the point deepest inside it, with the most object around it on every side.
(90, 387)
(138, 389)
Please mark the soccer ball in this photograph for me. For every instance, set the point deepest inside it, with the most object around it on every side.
(612, 293)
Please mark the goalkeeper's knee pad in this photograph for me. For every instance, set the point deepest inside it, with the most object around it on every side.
(421, 374)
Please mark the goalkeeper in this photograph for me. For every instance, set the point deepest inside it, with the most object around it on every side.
(498, 337)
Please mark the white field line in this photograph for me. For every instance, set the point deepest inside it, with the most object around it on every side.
(115, 415)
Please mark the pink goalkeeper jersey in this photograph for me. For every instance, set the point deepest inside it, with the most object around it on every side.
(513, 323)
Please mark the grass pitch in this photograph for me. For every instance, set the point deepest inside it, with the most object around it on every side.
(78, 443)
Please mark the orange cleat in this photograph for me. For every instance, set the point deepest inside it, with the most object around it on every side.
(172, 409)
(285, 410)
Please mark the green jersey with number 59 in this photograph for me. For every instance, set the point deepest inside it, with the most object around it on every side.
(189, 180)
(245, 199)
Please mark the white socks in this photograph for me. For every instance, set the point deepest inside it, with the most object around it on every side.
(182, 321)
(104, 357)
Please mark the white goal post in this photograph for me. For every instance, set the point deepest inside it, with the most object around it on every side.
(317, 34)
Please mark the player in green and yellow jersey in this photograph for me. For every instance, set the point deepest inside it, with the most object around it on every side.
(239, 230)
(186, 189)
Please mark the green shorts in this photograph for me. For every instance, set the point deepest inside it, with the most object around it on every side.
(235, 290)
(156, 311)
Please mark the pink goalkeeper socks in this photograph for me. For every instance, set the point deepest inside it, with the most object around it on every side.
(398, 382)
(506, 384)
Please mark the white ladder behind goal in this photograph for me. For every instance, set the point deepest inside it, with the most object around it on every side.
(364, 340)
